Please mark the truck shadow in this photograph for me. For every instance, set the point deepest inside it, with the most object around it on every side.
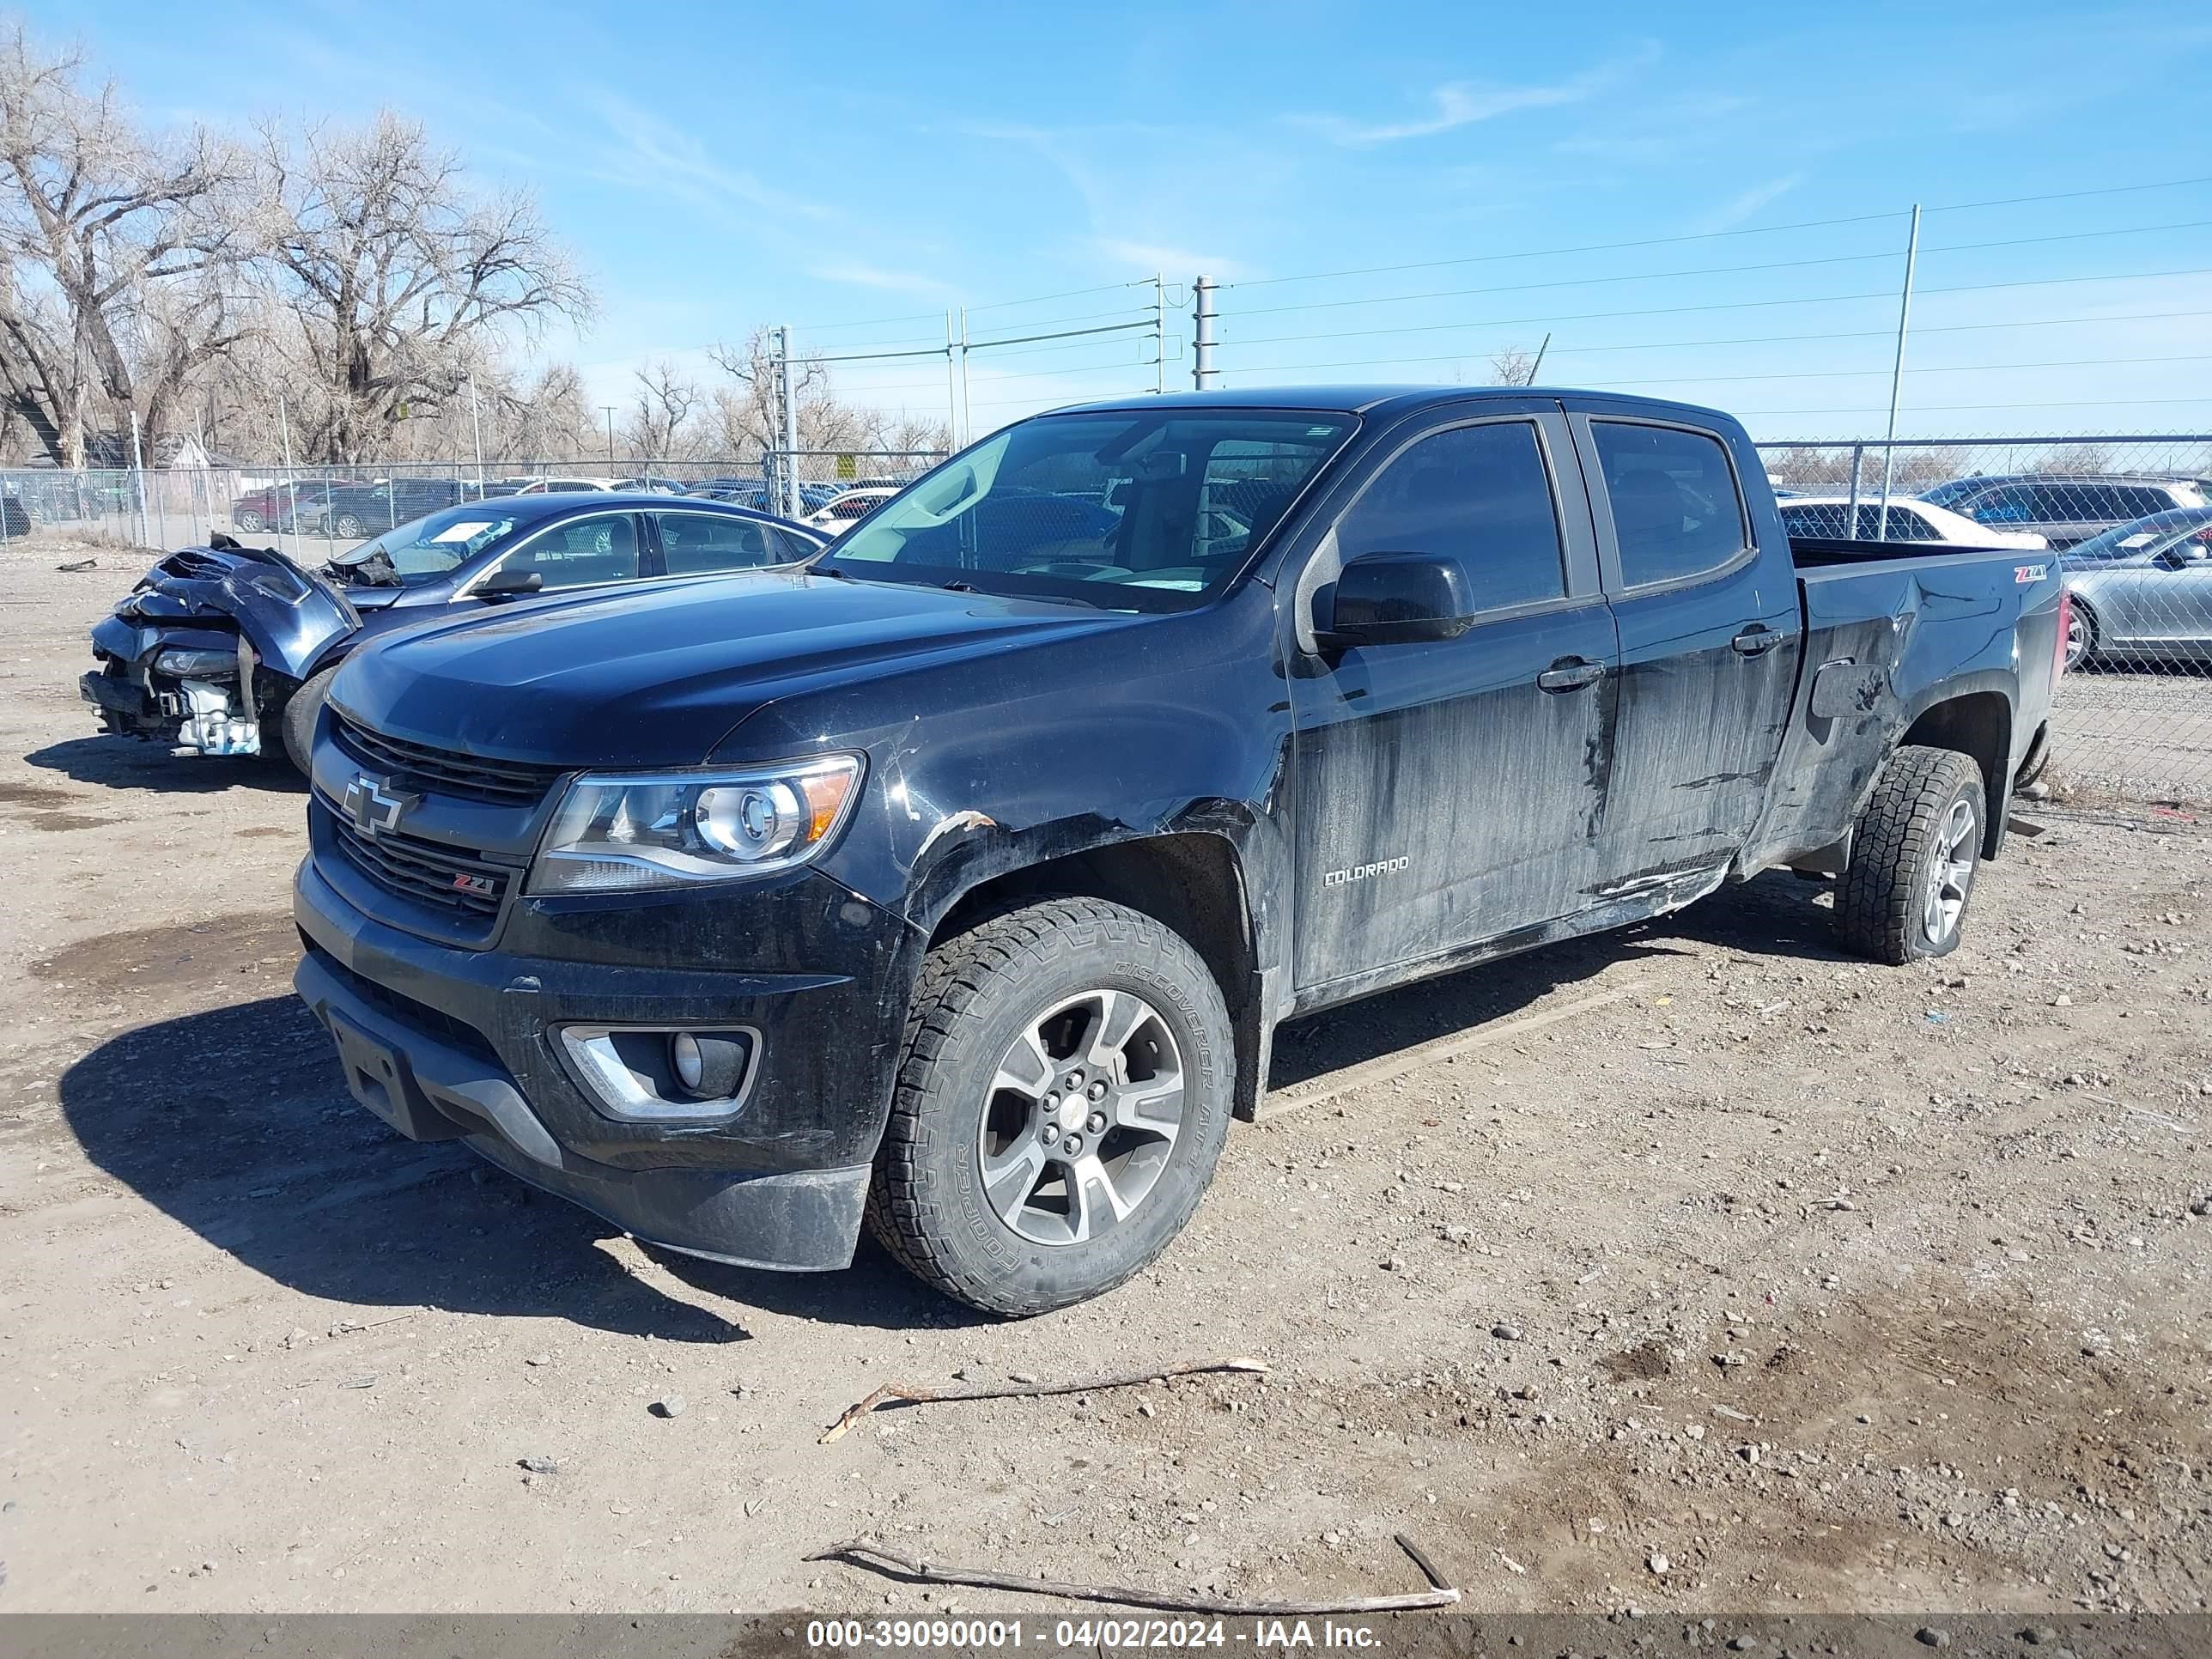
(232, 1121)
(1773, 915)
(122, 763)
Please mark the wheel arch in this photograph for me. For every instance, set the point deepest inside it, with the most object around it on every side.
(1194, 882)
(1978, 724)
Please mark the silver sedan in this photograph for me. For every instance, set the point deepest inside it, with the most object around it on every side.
(2142, 592)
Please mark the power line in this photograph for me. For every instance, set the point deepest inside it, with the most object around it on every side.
(1705, 236)
(1725, 305)
(1707, 270)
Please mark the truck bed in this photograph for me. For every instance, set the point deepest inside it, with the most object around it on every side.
(1817, 552)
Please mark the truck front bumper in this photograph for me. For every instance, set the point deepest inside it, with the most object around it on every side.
(452, 1044)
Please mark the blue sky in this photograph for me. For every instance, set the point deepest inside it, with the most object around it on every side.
(855, 169)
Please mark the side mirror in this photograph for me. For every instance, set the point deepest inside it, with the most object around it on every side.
(510, 584)
(1397, 598)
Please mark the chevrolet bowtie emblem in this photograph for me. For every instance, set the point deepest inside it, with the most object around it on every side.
(375, 809)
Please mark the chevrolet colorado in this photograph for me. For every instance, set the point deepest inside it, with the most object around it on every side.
(955, 884)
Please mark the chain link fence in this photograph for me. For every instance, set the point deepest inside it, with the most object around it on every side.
(2129, 516)
(313, 510)
(2129, 519)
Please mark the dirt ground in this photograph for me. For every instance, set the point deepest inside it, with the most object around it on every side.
(1758, 1280)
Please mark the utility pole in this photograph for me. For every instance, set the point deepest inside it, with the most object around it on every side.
(138, 468)
(285, 432)
(967, 419)
(475, 420)
(1897, 377)
(609, 409)
(951, 382)
(1201, 339)
(1159, 332)
(793, 506)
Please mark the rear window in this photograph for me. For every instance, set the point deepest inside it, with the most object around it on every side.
(1675, 510)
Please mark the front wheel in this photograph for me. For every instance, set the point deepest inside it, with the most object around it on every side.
(347, 527)
(299, 716)
(245, 518)
(1914, 854)
(1062, 1098)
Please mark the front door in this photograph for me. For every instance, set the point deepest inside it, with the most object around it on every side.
(1450, 790)
(1709, 640)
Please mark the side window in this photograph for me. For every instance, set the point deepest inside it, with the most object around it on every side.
(1819, 520)
(2008, 504)
(1905, 525)
(1675, 512)
(694, 543)
(2068, 503)
(603, 548)
(2137, 502)
(1480, 493)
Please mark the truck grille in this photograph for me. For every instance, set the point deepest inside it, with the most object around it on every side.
(448, 878)
(449, 772)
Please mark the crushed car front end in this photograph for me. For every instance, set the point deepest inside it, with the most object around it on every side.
(204, 651)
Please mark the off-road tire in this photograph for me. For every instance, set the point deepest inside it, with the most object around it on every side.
(976, 990)
(300, 709)
(1879, 901)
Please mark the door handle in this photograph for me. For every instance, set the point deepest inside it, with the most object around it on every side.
(1571, 674)
(1755, 641)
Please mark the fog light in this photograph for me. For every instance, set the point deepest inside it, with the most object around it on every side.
(691, 1065)
(709, 1067)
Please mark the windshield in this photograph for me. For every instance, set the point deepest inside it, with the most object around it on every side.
(1138, 510)
(425, 549)
(1944, 494)
(2144, 536)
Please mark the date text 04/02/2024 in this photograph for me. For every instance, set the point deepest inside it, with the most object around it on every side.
(1085, 1633)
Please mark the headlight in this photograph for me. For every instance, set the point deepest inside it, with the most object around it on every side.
(625, 834)
(197, 665)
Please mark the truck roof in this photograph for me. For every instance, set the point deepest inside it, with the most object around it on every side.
(1363, 399)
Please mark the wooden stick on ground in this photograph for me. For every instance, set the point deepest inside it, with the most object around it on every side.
(891, 1562)
(908, 1393)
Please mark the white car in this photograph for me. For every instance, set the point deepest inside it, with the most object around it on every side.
(552, 486)
(854, 505)
(1910, 520)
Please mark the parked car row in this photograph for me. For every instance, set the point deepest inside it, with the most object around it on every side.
(348, 510)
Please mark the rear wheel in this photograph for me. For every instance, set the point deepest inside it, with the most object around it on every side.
(2080, 634)
(1062, 1100)
(299, 717)
(1915, 851)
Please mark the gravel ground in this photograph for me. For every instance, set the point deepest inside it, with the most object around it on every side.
(1696, 1267)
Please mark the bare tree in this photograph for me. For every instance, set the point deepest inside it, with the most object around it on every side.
(97, 221)
(400, 276)
(1513, 366)
(660, 423)
(751, 417)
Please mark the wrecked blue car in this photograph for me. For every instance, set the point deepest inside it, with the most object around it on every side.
(228, 649)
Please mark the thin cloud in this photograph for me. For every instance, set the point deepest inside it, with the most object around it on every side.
(650, 154)
(1737, 209)
(1179, 263)
(886, 282)
(1462, 103)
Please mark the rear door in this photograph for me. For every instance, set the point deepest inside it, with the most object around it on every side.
(1450, 790)
(1709, 640)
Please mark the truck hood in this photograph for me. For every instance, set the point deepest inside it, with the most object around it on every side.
(658, 677)
(288, 613)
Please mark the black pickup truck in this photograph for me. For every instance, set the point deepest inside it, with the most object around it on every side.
(959, 881)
